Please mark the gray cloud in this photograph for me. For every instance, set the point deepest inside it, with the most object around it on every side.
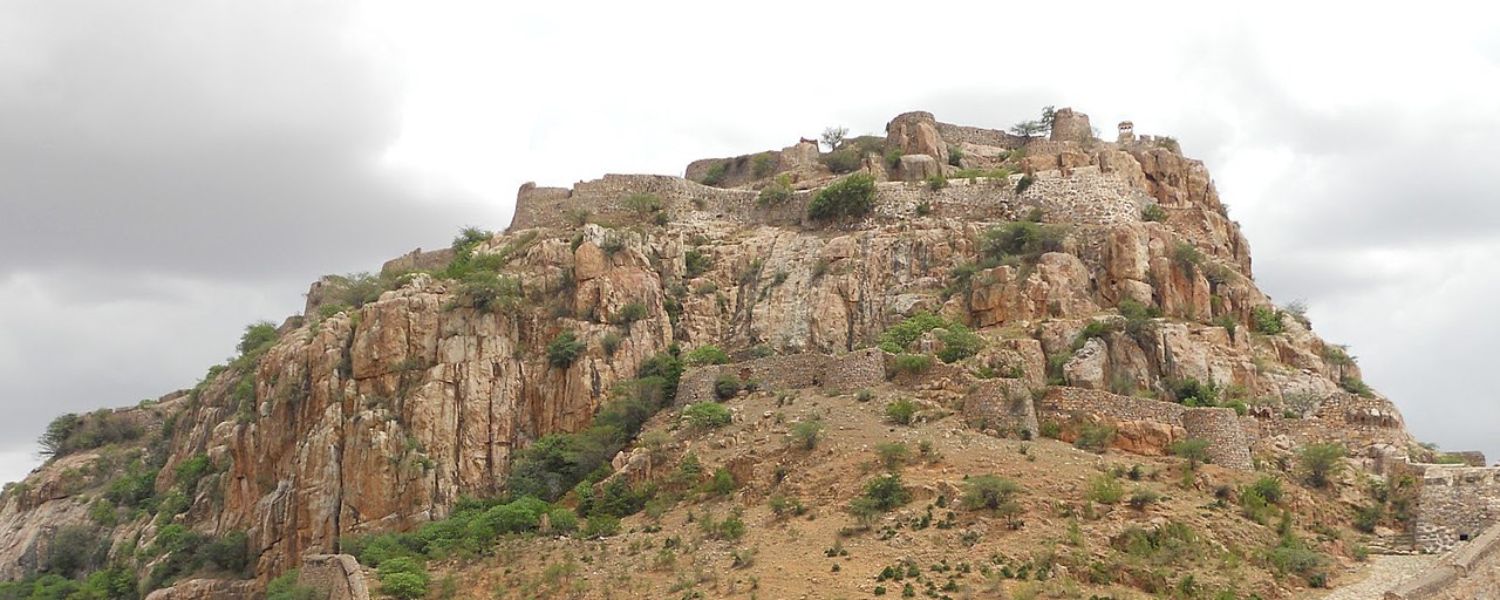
(171, 171)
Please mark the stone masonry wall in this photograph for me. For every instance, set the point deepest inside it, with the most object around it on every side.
(963, 134)
(338, 576)
(1455, 503)
(1085, 196)
(1356, 421)
(1468, 572)
(1228, 443)
(861, 368)
(1003, 405)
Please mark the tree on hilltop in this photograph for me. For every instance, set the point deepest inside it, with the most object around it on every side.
(833, 137)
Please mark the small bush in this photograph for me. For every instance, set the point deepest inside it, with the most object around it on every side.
(1268, 488)
(631, 313)
(562, 520)
(1024, 183)
(1187, 256)
(853, 196)
(726, 386)
(1143, 498)
(1094, 437)
(886, 492)
(610, 343)
(989, 492)
(706, 415)
(642, 204)
(901, 411)
(892, 455)
(1195, 450)
(601, 525)
(912, 364)
(705, 355)
(937, 182)
(564, 349)
(1024, 240)
(806, 433)
(696, 263)
(1354, 385)
(1321, 463)
(716, 173)
(285, 587)
(1367, 517)
(1153, 212)
(842, 160)
(1266, 320)
(775, 193)
(1105, 489)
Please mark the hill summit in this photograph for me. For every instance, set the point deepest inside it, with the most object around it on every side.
(946, 362)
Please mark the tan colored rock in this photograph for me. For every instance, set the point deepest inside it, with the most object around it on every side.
(919, 167)
(917, 133)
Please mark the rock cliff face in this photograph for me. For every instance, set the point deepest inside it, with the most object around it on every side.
(383, 416)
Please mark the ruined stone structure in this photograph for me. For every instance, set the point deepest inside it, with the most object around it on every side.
(1127, 132)
(1003, 406)
(1228, 444)
(336, 576)
(1455, 503)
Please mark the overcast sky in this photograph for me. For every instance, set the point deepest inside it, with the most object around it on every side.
(175, 169)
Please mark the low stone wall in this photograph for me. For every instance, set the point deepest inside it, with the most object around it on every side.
(337, 575)
(964, 134)
(1454, 504)
(1228, 443)
(1356, 421)
(861, 368)
(417, 260)
(1085, 196)
(1003, 405)
(1470, 569)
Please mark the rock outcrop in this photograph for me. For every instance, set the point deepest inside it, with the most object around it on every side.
(382, 416)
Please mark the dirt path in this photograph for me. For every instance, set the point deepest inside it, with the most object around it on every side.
(1384, 573)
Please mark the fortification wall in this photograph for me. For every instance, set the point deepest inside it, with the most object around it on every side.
(1454, 504)
(1358, 422)
(963, 134)
(337, 576)
(1228, 443)
(1003, 405)
(861, 368)
(1085, 196)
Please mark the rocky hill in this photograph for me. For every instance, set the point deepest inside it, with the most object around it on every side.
(945, 362)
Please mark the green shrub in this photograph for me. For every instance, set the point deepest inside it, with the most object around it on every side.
(726, 386)
(1094, 437)
(1294, 557)
(775, 193)
(562, 520)
(1321, 463)
(1266, 320)
(885, 493)
(71, 432)
(852, 196)
(75, 548)
(989, 492)
(1024, 183)
(1195, 450)
(1268, 488)
(1105, 489)
(1143, 498)
(191, 471)
(600, 526)
(705, 355)
(631, 313)
(706, 415)
(1367, 517)
(1022, 240)
(1354, 385)
(806, 433)
(696, 263)
(642, 204)
(1153, 212)
(716, 173)
(937, 182)
(842, 160)
(901, 411)
(892, 455)
(1187, 256)
(610, 343)
(912, 364)
(564, 349)
(1191, 392)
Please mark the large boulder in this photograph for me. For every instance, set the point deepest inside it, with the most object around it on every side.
(918, 167)
(916, 133)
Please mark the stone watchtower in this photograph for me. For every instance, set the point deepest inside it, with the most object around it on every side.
(1069, 126)
(1127, 132)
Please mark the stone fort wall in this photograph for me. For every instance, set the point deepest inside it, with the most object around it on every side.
(1228, 443)
(963, 134)
(861, 368)
(1356, 421)
(1003, 405)
(336, 575)
(1455, 503)
(1085, 196)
